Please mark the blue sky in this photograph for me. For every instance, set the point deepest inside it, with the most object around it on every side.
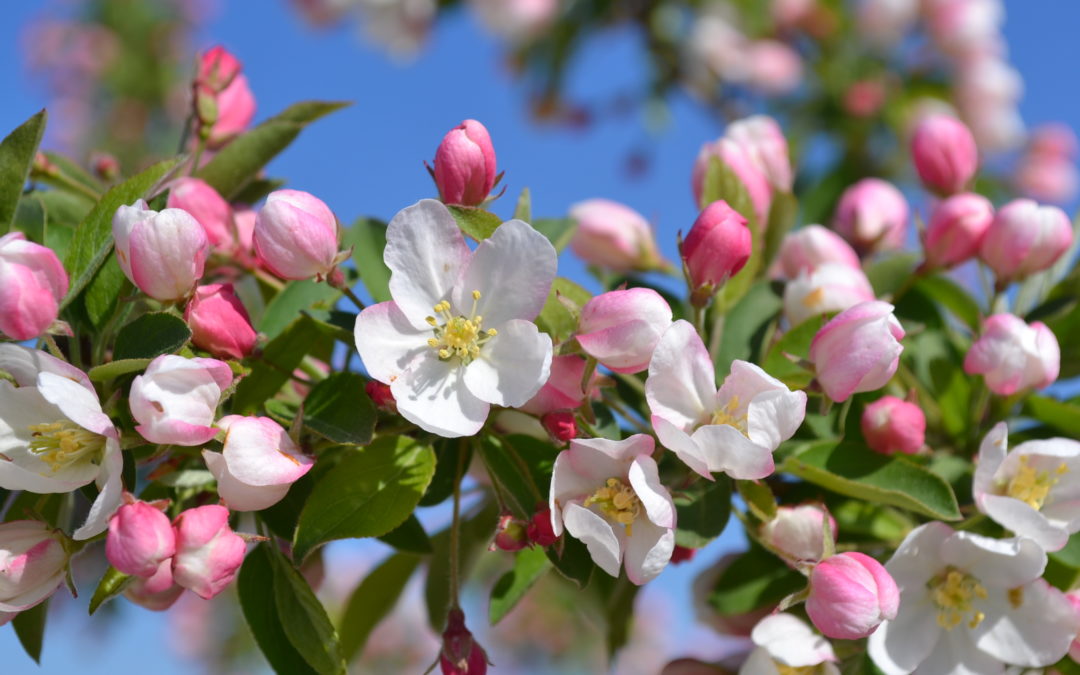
(367, 160)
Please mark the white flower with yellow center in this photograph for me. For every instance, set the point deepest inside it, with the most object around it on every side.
(734, 430)
(785, 645)
(970, 604)
(54, 436)
(1033, 490)
(458, 336)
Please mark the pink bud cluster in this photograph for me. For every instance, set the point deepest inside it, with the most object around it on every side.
(32, 284)
(513, 534)
(1047, 170)
(858, 350)
(613, 236)
(223, 102)
(850, 595)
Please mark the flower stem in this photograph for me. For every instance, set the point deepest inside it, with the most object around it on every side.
(455, 529)
(352, 296)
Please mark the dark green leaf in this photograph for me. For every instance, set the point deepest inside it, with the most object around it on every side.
(151, 335)
(442, 483)
(794, 343)
(754, 580)
(257, 189)
(703, 512)
(257, 601)
(29, 627)
(279, 359)
(304, 619)
(339, 409)
(297, 296)
(114, 369)
(953, 297)
(112, 584)
(572, 560)
(475, 222)
(17, 152)
(1063, 567)
(1065, 417)
(745, 324)
(73, 170)
(409, 537)
(529, 565)
(367, 236)
(373, 599)
(103, 293)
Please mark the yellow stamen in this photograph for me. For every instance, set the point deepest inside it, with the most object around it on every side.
(1016, 597)
(62, 443)
(618, 502)
(784, 669)
(1031, 485)
(727, 415)
(954, 592)
(459, 336)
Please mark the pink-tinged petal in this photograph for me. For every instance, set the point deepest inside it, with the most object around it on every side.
(388, 342)
(208, 552)
(513, 270)
(156, 593)
(296, 235)
(124, 222)
(992, 452)
(726, 450)
(681, 386)
(168, 255)
(562, 391)
(21, 407)
(621, 328)
(140, 539)
(567, 484)
(176, 398)
(433, 395)
(900, 645)
(240, 496)
(41, 260)
(425, 252)
(218, 370)
(605, 542)
(259, 452)
(77, 404)
(1004, 563)
(1036, 632)
(648, 551)
(178, 432)
(918, 557)
(24, 364)
(645, 481)
(850, 595)
(678, 441)
(792, 642)
(512, 366)
(1018, 517)
(623, 452)
(110, 495)
(27, 308)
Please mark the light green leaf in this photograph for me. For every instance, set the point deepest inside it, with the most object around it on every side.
(338, 409)
(744, 326)
(529, 565)
(297, 296)
(755, 579)
(280, 358)
(114, 369)
(368, 239)
(782, 214)
(475, 222)
(952, 297)
(795, 343)
(523, 208)
(559, 231)
(112, 584)
(559, 317)
(17, 152)
(373, 600)
(1065, 417)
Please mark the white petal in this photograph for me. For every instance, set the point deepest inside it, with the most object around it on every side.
(1004, 563)
(21, 407)
(900, 645)
(648, 550)
(1037, 633)
(759, 663)
(645, 480)
(241, 496)
(512, 366)
(425, 252)
(681, 386)
(789, 639)
(111, 492)
(1021, 519)
(78, 405)
(513, 269)
(604, 544)
(956, 654)
(623, 451)
(432, 394)
(24, 364)
(675, 439)
(387, 342)
(725, 449)
(918, 558)
(991, 454)
(774, 416)
(259, 452)
(567, 484)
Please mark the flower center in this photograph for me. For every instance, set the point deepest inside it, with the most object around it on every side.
(459, 335)
(726, 415)
(60, 444)
(954, 591)
(784, 669)
(618, 502)
(1032, 486)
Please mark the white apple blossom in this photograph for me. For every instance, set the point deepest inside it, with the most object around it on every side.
(608, 495)
(734, 430)
(175, 400)
(458, 336)
(783, 643)
(1033, 490)
(54, 436)
(970, 604)
(831, 287)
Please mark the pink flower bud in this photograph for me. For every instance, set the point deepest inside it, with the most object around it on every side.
(217, 68)
(832, 287)
(620, 329)
(157, 592)
(296, 235)
(944, 153)
(891, 425)
(1047, 178)
(32, 284)
(510, 534)
(461, 654)
(219, 323)
(798, 532)
(859, 350)
(717, 246)
(1054, 139)
(33, 563)
(681, 554)
(381, 395)
(562, 391)
(140, 539)
(465, 165)
(208, 552)
(1025, 238)
(807, 248)
(739, 161)
(561, 425)
(957, 226)
(761, 137)
(163, 253)
(850, 595)
(613, 236)
(175, 400)
(235, 110)
(1012, 355)
(540, 530)
(203, 202)
(106, 167)
(864, 98)
(774, 67)
(872, 215)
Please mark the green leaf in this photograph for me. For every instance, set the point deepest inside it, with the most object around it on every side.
(475, 222)
(71, 169)
(371, 492)
(796, 343)
(373, 599)
(952, 297)
(297, 296)
(442, 483)
(279, 359)
(476, 531)
(572, 561)
(559, 317)
(304, 619)
(338, 409)
(368, 239)
(759, 499)
(93, 240)
(559, 231)
(745, 325)
(754, 580)
(529, 565)
(703, 512)
(256, 586)
(29, 627)
(523, 208)
(114, 369)
(1065, 417)
(889, 273)
(241, 160)
(1063, 567)
(617, 599)
(409, 537)
(782, 214)
(853, 470)
(151, 335)
(112, 584)
(873, 520)
(722, 183)
(17, 152)
(103, 293)
(521, 486)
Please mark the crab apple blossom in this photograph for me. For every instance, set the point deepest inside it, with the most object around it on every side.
(733, 430)
(850, 595)
(872, 215)
(32, 284)
(608, 495)
(465, 165)
(517, 20)
(891, 425)
(829, 288)
(33, 563)
(296, 235)
(1032, 489)
(944, 153)
(562, 391)
(458, 338)
(613, 236)
(1012, 355)
(54, 437)
(620, 328)
(510, 534)
(1048, 178)
(208, 552)
(218, 67)
(812, 246)
(783, 643)
(140, 539)
(219, 323)
(798, 532)
(858, 350)
(461, 654)
(716, 248)
(224, 101)
(258, 463)
(1024, 238)
(205, 205)
(175, 400)
(774, 67)
(157, 592)
(956, 229)
(763, 140)
(161, 252)
(969, 603)
(735, 157)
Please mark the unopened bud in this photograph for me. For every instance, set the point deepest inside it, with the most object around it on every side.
(561, 425)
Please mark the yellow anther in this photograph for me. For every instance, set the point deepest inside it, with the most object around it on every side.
(444, 353)
(60, 444)
(727, 415)
(432, 342)
(1031, 485)
(431, 320)
(492, 332)
(953, 592)
(476, 295)
(618, 502)
(1016, 597)
(458, 336)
